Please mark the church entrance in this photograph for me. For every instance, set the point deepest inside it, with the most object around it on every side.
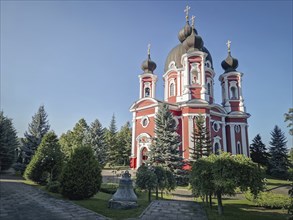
(144, 156)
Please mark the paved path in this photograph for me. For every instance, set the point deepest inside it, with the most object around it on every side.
(20, 201)
(173, 210)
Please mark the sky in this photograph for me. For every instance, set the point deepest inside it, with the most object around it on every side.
(81, 59)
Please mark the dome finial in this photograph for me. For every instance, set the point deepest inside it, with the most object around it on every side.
(229, 46)
(192, 20)
(149, 50)
(186, 10)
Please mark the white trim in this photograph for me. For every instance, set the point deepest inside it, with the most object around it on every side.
(133, 135)
(143, 116)
(217, 139)
(147, 121)
(224, 134)
(243, 138)
(232, 138)
(141, 146)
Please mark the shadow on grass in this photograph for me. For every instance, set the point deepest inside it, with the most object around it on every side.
(246, 212)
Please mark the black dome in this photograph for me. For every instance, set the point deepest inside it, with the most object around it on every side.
(229, 64)
(148, 66)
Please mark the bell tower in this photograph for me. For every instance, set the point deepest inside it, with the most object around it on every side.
(147, 79)
(231, 82)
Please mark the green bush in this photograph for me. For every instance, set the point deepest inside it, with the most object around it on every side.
(81, 177)
(53, 186)
(46, 164)
(109, 188)
(269, 200)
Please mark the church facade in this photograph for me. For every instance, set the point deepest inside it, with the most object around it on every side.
(189, 79)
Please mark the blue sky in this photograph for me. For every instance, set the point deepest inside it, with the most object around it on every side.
(81, 59)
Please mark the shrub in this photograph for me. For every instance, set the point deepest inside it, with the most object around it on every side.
(269, 200)
(109, 188)
(46, 164)
(53, 186)
(81, 177)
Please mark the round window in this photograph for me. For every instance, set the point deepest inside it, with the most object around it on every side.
(216, 126)
(144, 121)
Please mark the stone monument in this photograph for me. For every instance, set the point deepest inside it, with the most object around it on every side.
(124, 197)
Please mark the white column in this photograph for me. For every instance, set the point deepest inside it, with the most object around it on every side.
(243, 138)
(138, 154)
(140, 88)
(224, 137)
(166, 94)
(203, 81)
(226, 90)
(232, 136)
(190, 128)
(133, 135)
(153, 89)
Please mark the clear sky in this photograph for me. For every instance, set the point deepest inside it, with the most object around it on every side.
(81, 59)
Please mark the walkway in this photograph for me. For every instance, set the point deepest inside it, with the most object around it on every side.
(20, 201)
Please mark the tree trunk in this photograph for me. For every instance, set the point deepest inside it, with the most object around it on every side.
(207, 199)
(211, 203)
(157, 193)
(162, 194)
(150, 193)
(220, 205)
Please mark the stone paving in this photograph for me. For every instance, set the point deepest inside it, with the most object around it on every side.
(173, 210)
(20, 201)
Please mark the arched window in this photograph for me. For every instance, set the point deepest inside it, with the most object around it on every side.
(216, 148)
(172, 89)
(147, 92)
(209, 89)
(233, 92)
(239, 148)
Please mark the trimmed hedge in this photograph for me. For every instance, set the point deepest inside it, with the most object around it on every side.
(269, 200)
(109, 188)
(81, 177)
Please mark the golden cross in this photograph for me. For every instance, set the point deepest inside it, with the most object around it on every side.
(149, 49)
(186, 10)
(192, 20)
(229, 45)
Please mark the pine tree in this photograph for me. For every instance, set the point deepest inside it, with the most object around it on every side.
(97, 142)
(8, 142)
(124, 144)
(202, 145)
(111, 142)
(33, 137)
(279, 161)
(289, 117)
(165, 147)
(258, 151)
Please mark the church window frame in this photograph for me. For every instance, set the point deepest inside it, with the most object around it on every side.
(144, 121)
(233, 90)
(237, 128)
(238, 148)
(216, 126)
(217, 145)
(172, 88)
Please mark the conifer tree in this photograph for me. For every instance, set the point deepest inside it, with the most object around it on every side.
(124, 144)
(202, 145)
(258, 151)
(279, 161)
(111, 142)
(97, 142)
(8, 142)
(165, 147)
(33, 137)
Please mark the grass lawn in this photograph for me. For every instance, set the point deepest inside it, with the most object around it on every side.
(273, 183)
(235, 209)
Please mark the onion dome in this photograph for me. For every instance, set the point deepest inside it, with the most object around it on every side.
(230, 63)
(148, 66)
(184, 32)
(193, 42)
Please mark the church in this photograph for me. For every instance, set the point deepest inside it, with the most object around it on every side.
(188, 91)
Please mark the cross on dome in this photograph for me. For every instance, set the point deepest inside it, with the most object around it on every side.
(229, 45)
(192, 20)
(186, 10)
(149, 49)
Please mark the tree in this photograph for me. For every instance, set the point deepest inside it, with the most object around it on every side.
(165, 148)
(124, 144)
(78, 137)
(33, 137)
(161, 179)
(146, 179)
(202, 144)
(46, 164)
(279, 161)
(111, 142)
(222, 174)
(8, 142)
(258, 151)
(289, 117)
(81, 177)
(97, 142)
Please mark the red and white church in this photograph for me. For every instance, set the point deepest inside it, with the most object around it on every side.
(188, 91)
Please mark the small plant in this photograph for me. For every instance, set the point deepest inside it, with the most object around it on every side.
(53, 186)
(269, 200)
